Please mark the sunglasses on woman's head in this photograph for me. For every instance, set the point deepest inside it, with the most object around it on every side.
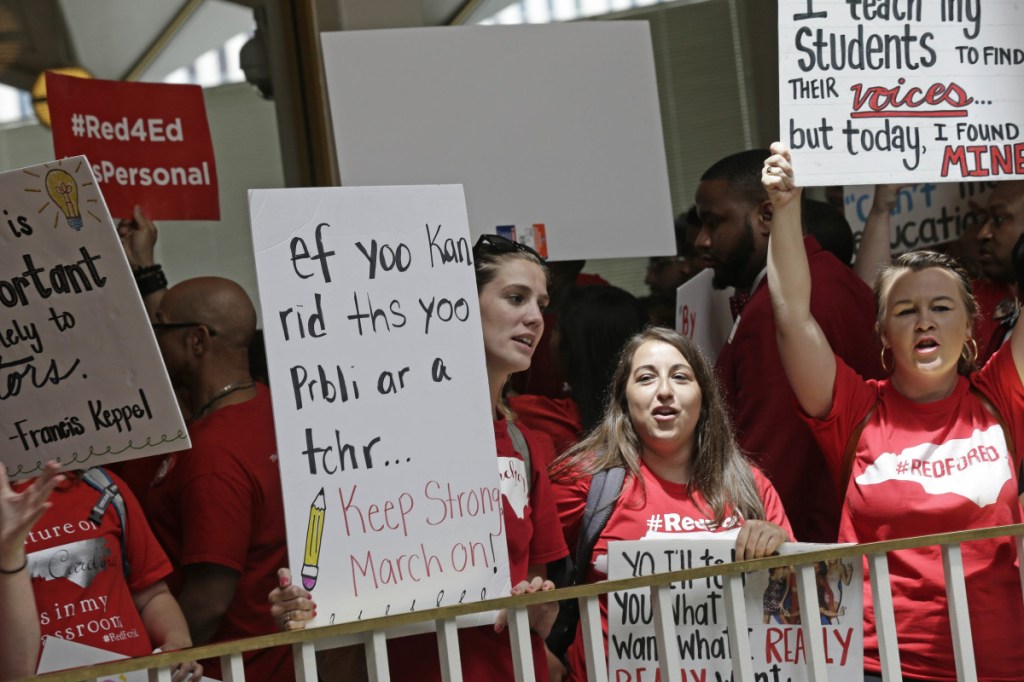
(499, 244)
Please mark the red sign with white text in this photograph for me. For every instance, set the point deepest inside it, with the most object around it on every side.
(147, 143)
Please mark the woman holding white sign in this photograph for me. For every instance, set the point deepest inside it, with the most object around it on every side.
(666, 426)
(925, 451)
(512, 285)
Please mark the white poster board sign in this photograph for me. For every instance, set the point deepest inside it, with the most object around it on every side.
(874, 92)
(773, 606)
(926, 215)
(387, 451)
(554, 130)
(703, 314)
(61, 654)
(81, 377)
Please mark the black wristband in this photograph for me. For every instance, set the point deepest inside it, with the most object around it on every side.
(150, 279)
(19, 569)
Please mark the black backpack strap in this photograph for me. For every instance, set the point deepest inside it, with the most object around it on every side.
(605, 487)
(519, 445)
(100, 480)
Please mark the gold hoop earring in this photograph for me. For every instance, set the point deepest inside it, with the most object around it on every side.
(881, 358)
(970, 351)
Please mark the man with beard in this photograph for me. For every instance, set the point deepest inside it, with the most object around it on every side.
(736, 219)
(1003, 227)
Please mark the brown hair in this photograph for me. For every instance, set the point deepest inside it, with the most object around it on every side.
(487, 261)
(720, 472)
(916, 261)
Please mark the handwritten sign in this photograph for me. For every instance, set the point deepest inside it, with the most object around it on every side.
(895, 91)
(926, 215)
(702, 313)
(774, 610)
(148, 143)
(391, 486)
(81, 377)
(554, 130)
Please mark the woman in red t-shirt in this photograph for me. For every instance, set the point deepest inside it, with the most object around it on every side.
(666, 424)
(512, 286)
(930, 452)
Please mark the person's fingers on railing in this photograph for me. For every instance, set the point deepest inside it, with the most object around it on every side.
(542, 616)
(501, 621)
(191, 671)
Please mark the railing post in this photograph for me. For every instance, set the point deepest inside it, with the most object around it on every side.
(1019, 543)
(522, 647)
(377, 657)
(304, 656)
(665, 633)
(232, 668)
(959, 617)
(885, 619)
(814, 643)
(448, 650)
(593, 639)
(739, 639)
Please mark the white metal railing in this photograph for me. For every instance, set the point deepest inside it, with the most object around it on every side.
(373, 633)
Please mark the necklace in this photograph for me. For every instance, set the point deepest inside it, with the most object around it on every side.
(224, 392)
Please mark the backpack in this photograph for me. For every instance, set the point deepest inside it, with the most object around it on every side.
(605, 487)
(100, 480)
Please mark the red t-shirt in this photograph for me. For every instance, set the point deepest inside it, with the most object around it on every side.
(485, 654)
(559, 418)
(923, 468)
(667, 511)
(78, 575)
(220, 503)
(767, 422)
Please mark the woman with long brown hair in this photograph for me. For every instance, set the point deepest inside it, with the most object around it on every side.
(667, 426)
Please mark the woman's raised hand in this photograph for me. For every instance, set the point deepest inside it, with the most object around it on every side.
(777, 176)
(20, 511)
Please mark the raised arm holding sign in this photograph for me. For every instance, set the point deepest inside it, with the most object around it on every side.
(902, 479)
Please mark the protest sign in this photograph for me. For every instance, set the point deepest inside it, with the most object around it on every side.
(554, 130)
(61, 654)
(774, 610)
(148, 143)
(387, 452)
(702, 313)
(901, 91)
(926, 215)
(81, 377)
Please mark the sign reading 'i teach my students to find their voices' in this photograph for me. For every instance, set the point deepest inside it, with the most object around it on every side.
(81, 378)
(392, 492)
(901, 90)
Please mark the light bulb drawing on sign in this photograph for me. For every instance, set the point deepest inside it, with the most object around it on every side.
(67, 194)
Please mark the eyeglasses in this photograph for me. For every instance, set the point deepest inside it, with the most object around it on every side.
(499, 244)
(158, 326)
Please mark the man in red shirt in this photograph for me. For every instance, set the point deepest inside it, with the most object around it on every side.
(736, 219)
(216, 508)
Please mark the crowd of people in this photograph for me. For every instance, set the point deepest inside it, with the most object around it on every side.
(842, 394)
